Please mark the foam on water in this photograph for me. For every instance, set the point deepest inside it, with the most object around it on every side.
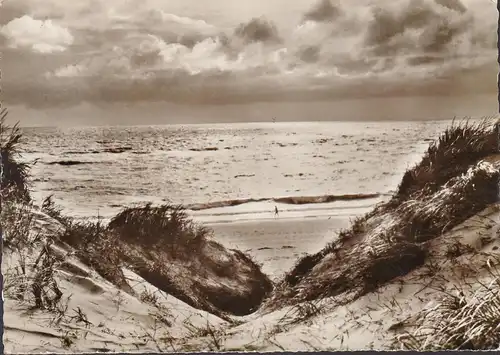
(260, 211)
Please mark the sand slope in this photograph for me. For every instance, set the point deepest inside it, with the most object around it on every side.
(110, 318)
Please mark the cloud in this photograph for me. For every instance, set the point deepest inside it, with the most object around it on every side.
(127, 51)
(68, 71)
(323, 11)
(42, 36)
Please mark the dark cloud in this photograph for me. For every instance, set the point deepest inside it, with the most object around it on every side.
(309, 54)
(323, 11)
(392, 32)
(456, 5)
(11, 10)
(258, 30)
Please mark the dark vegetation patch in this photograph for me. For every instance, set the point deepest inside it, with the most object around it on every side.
(14, 180)
(208, 149)
(68, 162)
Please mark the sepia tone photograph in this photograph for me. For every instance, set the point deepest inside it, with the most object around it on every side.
(249, 176)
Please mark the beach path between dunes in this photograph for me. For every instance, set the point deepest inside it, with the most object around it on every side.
(278, 244)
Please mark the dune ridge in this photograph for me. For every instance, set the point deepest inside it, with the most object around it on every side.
(451, 184)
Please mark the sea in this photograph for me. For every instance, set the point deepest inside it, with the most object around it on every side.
(97, 171)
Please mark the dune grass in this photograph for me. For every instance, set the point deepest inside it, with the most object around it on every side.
(14, 180)
(466, 319)
(29, 275)
(31, 263)
(166, 225)
(158, 242)
(167, 238)
(107, 248)
(461, 145)
(449, 185)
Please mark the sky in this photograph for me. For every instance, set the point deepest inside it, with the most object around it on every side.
(115, 61)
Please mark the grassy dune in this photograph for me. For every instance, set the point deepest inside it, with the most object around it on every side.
(447, 187)
(172, 253)
(160, 243)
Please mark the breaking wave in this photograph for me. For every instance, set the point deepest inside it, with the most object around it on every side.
(291, 200)
(69, 162)
(336, 48)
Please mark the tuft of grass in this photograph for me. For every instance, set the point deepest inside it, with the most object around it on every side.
(18, 223)
(68, 339)
(213, 335)
(14, 180)
(94, 245)
(81, 317)
(50, 208)
(464, 320)
(29, 277)
(97, 248)
(149, 297)
(302, 312)
(165, 226)
(457, 249)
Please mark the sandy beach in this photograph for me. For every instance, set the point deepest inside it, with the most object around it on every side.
(278, 244)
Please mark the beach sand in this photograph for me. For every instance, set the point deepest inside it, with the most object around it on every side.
(278, 244)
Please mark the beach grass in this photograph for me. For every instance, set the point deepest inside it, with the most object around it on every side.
(460, 145)
(14, 180)
(465, 318)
